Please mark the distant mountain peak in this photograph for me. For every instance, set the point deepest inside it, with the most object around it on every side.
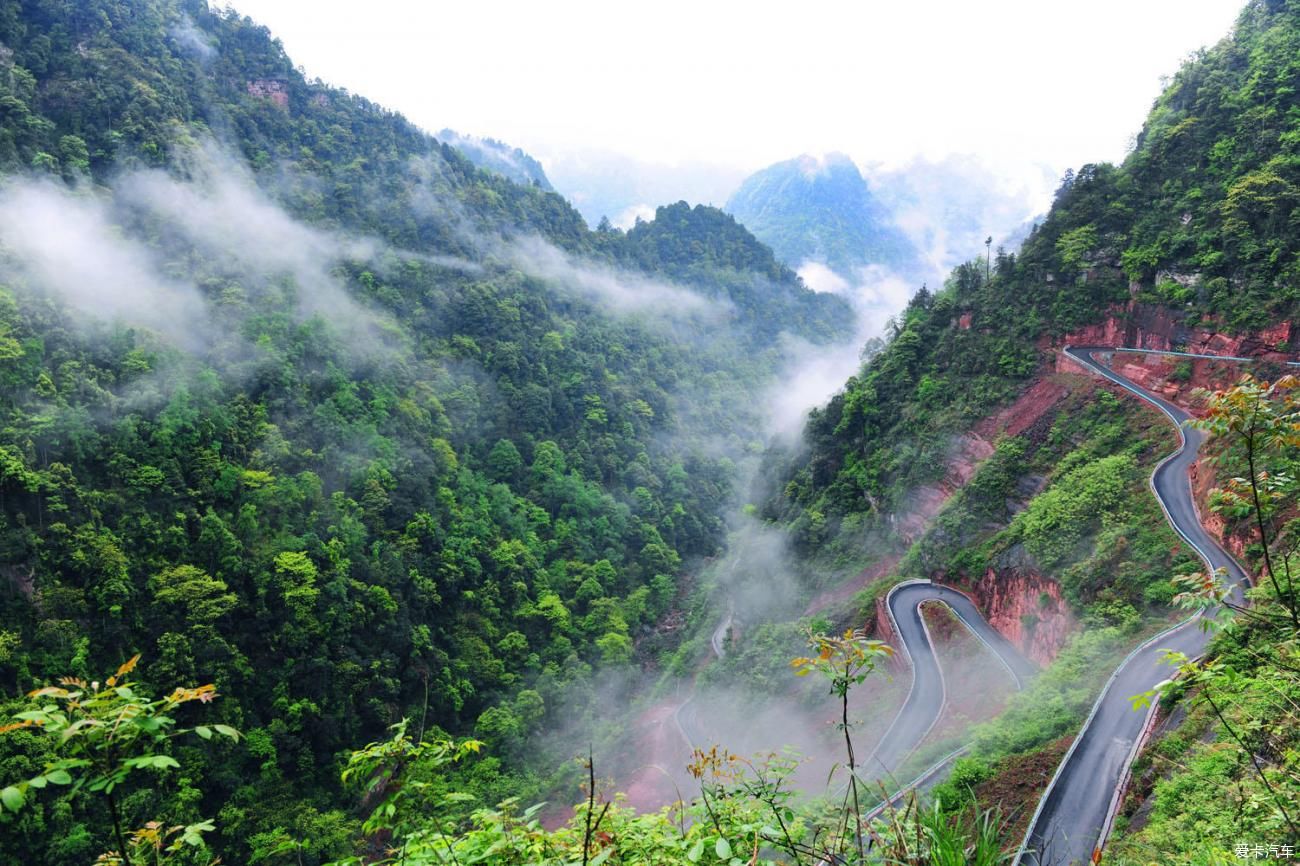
(813, 165)
(818, 207)
(511, 162)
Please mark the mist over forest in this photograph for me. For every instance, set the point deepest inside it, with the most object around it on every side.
(377, 495)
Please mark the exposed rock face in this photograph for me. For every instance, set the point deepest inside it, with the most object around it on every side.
(884, 630)
(1143, 326)
(21, 577)
(1203, 481)
(270, 89)
(1028, 609)
(965, 455)
(1177, 380)
(1032, 404)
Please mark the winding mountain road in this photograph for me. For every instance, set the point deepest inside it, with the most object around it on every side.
(928, 694)
(1075, 814)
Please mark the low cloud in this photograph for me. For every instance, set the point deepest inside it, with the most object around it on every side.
(947, 207)
(110, 252)
(810, 373)
(628, 217)
(221, 211)
(607, 184)
(68, 244)
(191, 39)
(617, 291)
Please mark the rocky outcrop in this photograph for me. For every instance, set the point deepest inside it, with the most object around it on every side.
(21, 577)
(1028, 609)
(1177, 379)
(1032, 404)
(270, 89)
(1203, 481)
(1144, 326)
(884, 630)
(1024, 606)
(965, 455)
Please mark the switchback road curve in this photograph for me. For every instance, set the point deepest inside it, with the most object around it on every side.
(1075, 813)
(928, 694)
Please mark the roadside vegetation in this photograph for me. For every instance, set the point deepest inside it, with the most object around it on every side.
(1238, 708)
(442, 536)
(96, 740)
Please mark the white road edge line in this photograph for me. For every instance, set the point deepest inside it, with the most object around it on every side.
(1110, 375)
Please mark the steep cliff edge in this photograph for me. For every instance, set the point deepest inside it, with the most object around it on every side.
(1138, 325)
(1028, 609)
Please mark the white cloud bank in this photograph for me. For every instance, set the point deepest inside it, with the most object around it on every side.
(67, 244)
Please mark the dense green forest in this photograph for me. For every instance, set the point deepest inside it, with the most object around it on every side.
(399, 437)
(1203, 217)
(387, 463)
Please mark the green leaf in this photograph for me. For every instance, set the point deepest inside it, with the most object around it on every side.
(160, 762)
(59, 777)
(193, 834)
(226, 731)
(12, 798)
(37, 781)
(70, 764)
(601, 857)
(204, 731)
(722, 848)
(696, 852)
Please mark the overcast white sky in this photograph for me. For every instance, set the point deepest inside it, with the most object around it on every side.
(749, 83)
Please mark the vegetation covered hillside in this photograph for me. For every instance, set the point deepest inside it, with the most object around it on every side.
(1199, 226)
(500, 157)
(1201, 218)
(333, 469)
(821, 210)
(299, 403)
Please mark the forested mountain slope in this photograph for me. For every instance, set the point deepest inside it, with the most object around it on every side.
(1192, 242)
(299, 402)
(500, 157)
(821, 210)
(1202, 218)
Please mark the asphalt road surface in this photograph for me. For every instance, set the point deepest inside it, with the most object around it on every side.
(1080, 800)
(926, 699)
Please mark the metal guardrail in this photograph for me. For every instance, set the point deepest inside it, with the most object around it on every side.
(1117, 795)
